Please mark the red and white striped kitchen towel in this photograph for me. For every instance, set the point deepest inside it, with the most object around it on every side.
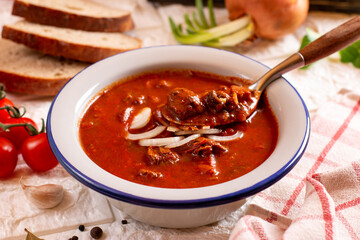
(320, 197)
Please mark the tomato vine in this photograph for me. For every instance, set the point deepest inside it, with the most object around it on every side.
(20, 135)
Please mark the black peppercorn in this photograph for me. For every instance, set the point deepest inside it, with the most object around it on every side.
(96, 232)
(74, 238)
(124, 221)
(81, 228)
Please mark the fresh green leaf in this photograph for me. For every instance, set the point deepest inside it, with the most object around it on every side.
(357, 44)
(356, 63)
(305, 41)
(31, 236)
(351, 54)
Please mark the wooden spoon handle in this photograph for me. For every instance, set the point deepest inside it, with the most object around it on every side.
(333, 41)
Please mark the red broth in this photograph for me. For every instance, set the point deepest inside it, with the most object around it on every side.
(104, 127)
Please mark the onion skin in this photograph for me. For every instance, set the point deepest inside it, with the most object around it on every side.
(272, 19)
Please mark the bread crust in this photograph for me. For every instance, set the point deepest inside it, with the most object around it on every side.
(56, 47)
(23, 70)
(31, 85)
(58, 18)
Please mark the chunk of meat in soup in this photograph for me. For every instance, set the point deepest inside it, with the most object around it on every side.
(159, 155)
(184, 103)
(216, 107)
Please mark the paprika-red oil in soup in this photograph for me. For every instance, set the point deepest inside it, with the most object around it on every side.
(211, 153)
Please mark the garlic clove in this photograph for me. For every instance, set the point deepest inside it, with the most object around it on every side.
(44, 196)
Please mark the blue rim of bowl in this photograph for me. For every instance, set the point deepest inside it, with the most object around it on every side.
(180, 204)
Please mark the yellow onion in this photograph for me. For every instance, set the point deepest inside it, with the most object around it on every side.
(272, 19)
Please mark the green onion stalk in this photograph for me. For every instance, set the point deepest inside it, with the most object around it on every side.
(200, 30)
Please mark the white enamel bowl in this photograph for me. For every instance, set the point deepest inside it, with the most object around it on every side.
(175, 208)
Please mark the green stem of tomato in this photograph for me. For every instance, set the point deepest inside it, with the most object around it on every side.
(13, 111)
(42, 130)
(2, 91)
(28, 127)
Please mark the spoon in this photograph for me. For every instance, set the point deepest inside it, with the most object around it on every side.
(329, 43)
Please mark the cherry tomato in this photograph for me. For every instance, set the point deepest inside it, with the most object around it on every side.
(37, 153)
(18, 134)
(4, 115)
(8, 158)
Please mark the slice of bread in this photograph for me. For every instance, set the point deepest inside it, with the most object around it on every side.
(75, 14)
(69, 43)
(24, 70)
